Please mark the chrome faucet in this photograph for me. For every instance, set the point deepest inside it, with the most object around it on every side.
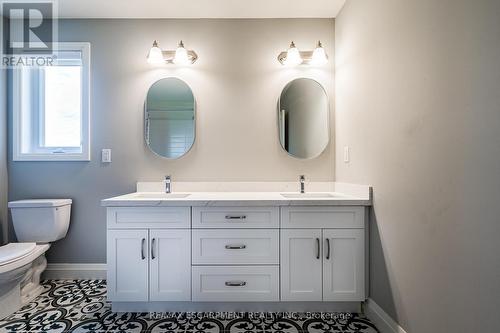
(302, 180)
(168, 184)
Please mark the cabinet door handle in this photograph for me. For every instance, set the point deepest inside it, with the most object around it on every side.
(236, 247)
(328, 249)
(235, 283)
(317, 248)
(236, 217)
(142, 248)
(153, 248)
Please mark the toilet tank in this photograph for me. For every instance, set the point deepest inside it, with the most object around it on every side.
(40, 220)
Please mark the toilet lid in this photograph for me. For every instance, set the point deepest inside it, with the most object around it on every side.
(14, 251)
(34, 203)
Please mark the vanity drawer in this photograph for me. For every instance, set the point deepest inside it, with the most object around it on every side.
(235, 217)
(235, 283)
(149, 217)
(322, 217)
(235, 246)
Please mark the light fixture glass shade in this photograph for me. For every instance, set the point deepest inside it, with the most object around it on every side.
(293, 57)
(155, 55)
(181, 55)
(319, 57)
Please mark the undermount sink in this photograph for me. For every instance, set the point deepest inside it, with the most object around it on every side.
(162, 195)
(307, 195)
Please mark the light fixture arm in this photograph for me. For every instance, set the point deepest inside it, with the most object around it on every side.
(169, 56)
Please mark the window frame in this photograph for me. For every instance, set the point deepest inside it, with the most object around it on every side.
(52, 154)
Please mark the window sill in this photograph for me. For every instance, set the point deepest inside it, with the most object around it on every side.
(51, 158)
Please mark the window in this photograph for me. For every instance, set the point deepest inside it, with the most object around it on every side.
(51, 107)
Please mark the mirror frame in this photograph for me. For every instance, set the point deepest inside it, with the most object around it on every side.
(327, 119)
(146, 132)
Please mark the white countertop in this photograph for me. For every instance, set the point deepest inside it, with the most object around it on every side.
(235, 199)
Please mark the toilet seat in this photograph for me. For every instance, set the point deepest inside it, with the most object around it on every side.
(15, 251)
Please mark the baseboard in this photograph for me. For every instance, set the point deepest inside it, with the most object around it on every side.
(74, 271)
(381, 319)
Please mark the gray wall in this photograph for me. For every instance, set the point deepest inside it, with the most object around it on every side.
(3, 156)
(417, 89)
(236, 82)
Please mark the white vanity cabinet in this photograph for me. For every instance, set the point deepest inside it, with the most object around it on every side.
(235, 247)
(235, 254)
(149, 264)
(344, 265)
(170, 265)
(301, 265)
(322, 254)
(236, 217)
(128, 265)
(162, 256)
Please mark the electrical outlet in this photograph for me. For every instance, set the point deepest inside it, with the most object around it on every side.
(106, 156)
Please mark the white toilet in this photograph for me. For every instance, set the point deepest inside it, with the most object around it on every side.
(36, 223)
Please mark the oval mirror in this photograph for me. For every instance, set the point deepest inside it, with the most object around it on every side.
(170, 118)
(303, 118)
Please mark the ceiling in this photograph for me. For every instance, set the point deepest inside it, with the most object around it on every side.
(199, 8)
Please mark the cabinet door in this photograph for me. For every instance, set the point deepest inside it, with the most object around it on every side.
(170, 265)
(343, 265)
(301, 265)
(127, 258)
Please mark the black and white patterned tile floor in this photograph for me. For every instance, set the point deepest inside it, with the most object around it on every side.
(81, 306)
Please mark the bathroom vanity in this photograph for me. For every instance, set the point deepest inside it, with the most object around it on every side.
(256, 244)
(263, 250)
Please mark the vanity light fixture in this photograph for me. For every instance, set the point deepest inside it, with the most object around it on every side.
(155, 55)
(180, 56)
(294, 57)
(319, 57)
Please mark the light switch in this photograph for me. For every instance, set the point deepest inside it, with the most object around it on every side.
(106, 156)
(346, 154)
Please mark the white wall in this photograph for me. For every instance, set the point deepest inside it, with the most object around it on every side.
(418, 102)
(236, 82)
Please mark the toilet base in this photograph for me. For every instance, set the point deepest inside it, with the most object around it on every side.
(23, 287)
(30, 285)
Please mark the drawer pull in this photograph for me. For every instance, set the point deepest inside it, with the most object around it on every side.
(235, 283)
(236, 217)
(236, 247)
